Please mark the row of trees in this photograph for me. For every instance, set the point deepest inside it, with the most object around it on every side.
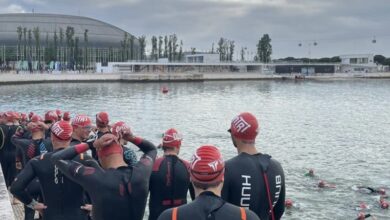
(380, 59)
(334, 59)
(64, 46)
(167, 47)
(225, 49)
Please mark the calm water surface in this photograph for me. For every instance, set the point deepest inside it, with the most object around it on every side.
(339, 128)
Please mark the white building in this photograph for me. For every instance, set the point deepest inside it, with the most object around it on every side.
(202, 58)
(358, 63)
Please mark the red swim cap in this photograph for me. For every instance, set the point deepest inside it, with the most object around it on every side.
(66, 116)
(207, 165)
(36, 118)
(361, 216)
(118, 127)
(51, 116)
(30, 115)
(172, 138)
(113, 148)
(363, 205)
(34, 127)
(244, 126)
(102, 119)
(59, 113)
(11, 116)
(288, 203)
(382, 191)
(81, 121)
(23, 117)
(321, 184)
(384, 204)
(62, 130)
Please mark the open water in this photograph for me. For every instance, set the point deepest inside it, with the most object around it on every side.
(341, 129)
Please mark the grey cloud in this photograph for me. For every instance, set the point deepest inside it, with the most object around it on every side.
(338, 26)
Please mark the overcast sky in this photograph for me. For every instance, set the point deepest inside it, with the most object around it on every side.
(338, 26)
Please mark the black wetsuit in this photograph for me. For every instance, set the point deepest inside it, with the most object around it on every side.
(29, 148)
(211, 207)
(26, 149)
(62, 196)
(129, 155)
(245, 184)
(116, 193)
(8, 153)
(168, 185)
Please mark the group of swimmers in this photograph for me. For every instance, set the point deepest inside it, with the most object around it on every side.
(67, 168)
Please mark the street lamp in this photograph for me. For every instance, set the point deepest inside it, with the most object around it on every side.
(309, 44)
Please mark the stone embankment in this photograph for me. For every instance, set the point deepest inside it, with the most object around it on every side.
(23, 78)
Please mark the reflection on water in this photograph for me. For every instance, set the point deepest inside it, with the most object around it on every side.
(341, 128)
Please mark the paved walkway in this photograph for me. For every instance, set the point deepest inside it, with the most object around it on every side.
(6, 212)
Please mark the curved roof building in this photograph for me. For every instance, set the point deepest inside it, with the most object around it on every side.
(100, 34)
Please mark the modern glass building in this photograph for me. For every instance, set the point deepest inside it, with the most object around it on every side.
(51, 41)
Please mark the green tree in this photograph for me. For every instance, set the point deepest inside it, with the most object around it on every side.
(19, 31)
(85, 49)
(220, 49)
(166, 46)
(264, 49)
(55, 47)
(242, 53)
(154, 54)
(47, 49)
(37, 40)
(174, 47)
(160, 44)
(69, 33)
(29, 42)
(181, 51)
(170, 48)
(77, 52)
(387, 62)
(193, 50)
(125, 47)
(142, 43)
(335, 59)
(61, 45)
(132, 38)
(231, 50)
(25, 42)
(380, 59)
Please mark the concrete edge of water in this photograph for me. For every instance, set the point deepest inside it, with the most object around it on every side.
(6, 211)
(25, 78)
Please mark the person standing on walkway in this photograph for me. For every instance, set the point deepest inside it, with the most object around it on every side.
(253, 179)
(170, 179)
(27, 149)
(82, 126)
(50, 118)
(117, 191)
(7, 148)
(129, 155)
(207, 170)
(63, 198)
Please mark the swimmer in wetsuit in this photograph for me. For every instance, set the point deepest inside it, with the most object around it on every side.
(253, 179)
(7, 148)
(27, 149)
(170, 179)
(207, 176)
(62, 197)
(117, 191)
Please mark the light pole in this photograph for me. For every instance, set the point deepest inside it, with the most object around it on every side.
(309, 44)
